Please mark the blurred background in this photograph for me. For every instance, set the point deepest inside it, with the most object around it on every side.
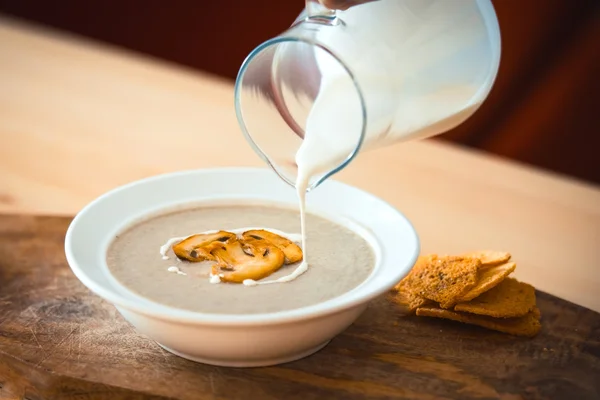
(544, 109)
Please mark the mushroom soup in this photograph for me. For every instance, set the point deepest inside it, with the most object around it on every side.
(215, 265)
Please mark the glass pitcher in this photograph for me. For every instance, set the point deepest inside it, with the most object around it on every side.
(380, 72)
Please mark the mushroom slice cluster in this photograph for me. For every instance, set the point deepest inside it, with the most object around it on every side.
(256, 255)
(292, 252)
(197, 248)
(246, 259)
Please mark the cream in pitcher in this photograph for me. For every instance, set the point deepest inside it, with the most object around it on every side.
(377, 73)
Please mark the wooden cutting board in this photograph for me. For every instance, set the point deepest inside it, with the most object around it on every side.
(59, 341)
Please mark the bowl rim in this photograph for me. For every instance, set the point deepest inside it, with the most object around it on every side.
(343, 302)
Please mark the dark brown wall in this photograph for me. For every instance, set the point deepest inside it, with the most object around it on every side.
(543, 110)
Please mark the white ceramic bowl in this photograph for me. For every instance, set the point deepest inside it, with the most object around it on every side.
(239, 340)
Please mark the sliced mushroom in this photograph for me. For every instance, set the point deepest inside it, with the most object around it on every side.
(292, 252)
(197, 248)
(246, 259)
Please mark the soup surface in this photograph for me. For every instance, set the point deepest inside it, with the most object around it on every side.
(338, 259)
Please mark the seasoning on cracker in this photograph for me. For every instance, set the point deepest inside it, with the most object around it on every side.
(444, 279)
(487, 279)
(406, 298)
(489, 258)
(510, 298)
(528, 325)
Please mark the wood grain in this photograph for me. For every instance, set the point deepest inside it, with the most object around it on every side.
(78, 119)
(59, 341)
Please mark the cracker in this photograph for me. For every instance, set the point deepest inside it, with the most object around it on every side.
(528, 325)
(404, 284)
(510, 298)
(444, 279)
(489, 258)
(407, 299)
(487, 279)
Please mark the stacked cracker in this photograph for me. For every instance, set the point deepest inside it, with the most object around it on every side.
(473, 288)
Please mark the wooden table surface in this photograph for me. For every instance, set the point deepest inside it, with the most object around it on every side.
(59, 341)
(78, 118)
